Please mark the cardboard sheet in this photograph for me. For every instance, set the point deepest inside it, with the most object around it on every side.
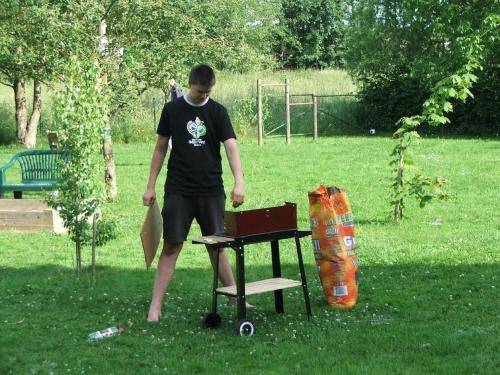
(151, 233)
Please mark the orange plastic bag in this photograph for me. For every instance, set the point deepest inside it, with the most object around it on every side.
(334, 242)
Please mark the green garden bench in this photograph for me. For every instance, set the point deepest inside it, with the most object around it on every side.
(39, 171)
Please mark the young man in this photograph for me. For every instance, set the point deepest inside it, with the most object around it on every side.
(196, 125)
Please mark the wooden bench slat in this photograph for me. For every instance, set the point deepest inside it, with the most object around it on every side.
(29, 187)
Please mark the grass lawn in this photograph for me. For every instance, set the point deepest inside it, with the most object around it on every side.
(429, 294)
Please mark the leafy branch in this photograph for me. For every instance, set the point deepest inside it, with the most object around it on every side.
(435, 109)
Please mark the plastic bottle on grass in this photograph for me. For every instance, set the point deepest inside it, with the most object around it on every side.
(105, 333)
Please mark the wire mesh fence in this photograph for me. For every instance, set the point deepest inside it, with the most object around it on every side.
(336, 115)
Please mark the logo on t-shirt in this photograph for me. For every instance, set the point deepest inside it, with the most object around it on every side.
(197, 129)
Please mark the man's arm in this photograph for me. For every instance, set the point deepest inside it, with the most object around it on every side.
(159, 153)
(233, 156)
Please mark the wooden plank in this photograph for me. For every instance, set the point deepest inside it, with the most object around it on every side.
(29, 215)
(23, 205)
(274, 84)
(18, 218)
(315, 117)
(260, 126)
(34, 220)
(304, 103)
(213, 240)
(262, 286)
(287, 112)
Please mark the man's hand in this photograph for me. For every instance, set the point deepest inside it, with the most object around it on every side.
(149, 197)
(237, 195)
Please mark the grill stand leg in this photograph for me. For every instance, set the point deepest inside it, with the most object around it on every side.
(303, 277)
(215, 281)
(278, 294)
(240, 282)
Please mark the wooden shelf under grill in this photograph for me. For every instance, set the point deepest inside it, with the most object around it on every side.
(261, 286)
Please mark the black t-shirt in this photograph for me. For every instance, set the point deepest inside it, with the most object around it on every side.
(194, 165)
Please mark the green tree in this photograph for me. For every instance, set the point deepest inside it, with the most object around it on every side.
(163, 39)
(36, 38)
(145, 43)
(80, 112)
(310, 33)
(149, 42)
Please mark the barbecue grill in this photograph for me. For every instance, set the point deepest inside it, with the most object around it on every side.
(251, 227)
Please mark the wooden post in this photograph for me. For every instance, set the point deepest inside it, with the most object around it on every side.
(315, 116)
(259, 113)
(94, 235)
(287, 105)
(398, 206)
(78, 244)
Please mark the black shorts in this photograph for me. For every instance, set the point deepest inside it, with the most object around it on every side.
(179, 211)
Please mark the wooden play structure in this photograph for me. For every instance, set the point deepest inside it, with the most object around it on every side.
(313, 102)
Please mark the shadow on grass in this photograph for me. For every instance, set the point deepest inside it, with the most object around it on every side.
(410, 315)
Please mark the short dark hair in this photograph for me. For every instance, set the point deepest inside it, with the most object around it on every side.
(202, 75)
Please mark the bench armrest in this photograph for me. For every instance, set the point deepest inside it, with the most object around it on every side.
(9, 164)
(3, 170)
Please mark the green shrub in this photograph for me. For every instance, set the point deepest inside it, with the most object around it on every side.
(245, 118)
(398, 51)
(385, 99)
(106, 230)
(7, 125)
(134, 125)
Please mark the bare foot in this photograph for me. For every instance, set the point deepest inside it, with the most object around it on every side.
(233, 301)
(153, 317)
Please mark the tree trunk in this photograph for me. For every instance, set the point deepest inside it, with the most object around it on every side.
(21, 118)
(110, 173)
(30, 137)
(398, 207)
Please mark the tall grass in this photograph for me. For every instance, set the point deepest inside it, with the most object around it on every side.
(336, 115)
(232, 86)
(238, 92)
